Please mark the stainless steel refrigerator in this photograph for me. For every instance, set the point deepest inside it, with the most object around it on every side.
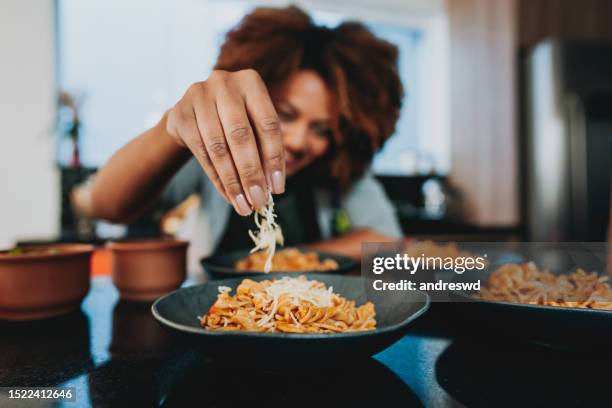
(567, 141)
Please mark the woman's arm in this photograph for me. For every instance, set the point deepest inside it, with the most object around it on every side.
(350, 244)
(227, 122)
(135, 175)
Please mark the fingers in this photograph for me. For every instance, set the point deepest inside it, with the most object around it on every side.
(264, 119)
(214, 142)
(229, 123)
(185, 125)
(242, 145)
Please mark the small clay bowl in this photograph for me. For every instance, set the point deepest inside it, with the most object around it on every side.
(144, 270)
(43, 281)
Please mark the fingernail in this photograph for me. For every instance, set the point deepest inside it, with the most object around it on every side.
(278, 182)
(269, 183)
(258, 197)
(241, 205)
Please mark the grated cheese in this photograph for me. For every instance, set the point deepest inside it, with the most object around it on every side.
(269, 233)
(301, 290)
(298, 290)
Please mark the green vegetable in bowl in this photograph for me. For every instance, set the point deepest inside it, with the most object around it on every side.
(44, 251)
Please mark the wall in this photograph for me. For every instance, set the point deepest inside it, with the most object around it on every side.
(483, 112)
(29, 197)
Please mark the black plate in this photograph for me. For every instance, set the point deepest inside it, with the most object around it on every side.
(547, 325)
(221, 266)
(179, 311)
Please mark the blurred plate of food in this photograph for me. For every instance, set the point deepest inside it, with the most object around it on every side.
(319, 315)
(428, 248)
(304, 260)
(523, 300)
(434, 256)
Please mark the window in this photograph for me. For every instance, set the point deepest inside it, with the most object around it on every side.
(126, 62)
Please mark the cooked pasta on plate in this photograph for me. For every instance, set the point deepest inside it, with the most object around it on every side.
(524, 283)
(290, 305)
(286, 260)
(432, 249)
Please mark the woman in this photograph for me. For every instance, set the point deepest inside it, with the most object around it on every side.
(291, 107)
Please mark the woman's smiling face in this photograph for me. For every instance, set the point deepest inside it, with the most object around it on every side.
(304, 108)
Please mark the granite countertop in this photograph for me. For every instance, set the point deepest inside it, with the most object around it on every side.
(113, 353)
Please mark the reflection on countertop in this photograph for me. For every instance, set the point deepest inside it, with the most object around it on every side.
(46, 352)
(512, 374)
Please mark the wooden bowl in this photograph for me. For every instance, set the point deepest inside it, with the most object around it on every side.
(144, 270)
(50, 281)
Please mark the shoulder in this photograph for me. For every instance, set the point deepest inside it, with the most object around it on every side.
(366, 187)
(368, 206)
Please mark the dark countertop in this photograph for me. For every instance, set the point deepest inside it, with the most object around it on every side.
(115, 354)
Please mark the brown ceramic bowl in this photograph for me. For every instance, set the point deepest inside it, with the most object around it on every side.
(147, 269)
(43, 281)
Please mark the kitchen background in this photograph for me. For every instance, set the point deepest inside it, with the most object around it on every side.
(505, 133)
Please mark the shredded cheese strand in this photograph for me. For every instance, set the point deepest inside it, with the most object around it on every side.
(269, 233)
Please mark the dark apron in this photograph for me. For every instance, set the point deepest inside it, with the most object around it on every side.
(296, 214)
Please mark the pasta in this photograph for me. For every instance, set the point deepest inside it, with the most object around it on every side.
(524, 283)
(269, 233)
(287, 260)
(289, 305)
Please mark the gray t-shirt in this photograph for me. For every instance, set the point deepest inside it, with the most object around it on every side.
(365, 203)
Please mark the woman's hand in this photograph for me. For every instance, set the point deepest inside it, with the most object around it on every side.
(229, 124)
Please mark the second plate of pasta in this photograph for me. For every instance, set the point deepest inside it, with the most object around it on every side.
(525, 301)
(264, 323)
(242, 263)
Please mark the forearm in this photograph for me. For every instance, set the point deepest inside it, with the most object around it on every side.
(135, 176)
(350, 244)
